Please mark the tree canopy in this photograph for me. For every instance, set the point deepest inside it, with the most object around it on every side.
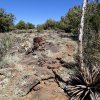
(6, 21)
(70, 23)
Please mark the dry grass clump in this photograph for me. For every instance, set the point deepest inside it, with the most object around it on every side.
(5, 45)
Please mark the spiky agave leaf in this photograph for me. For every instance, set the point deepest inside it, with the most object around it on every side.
(85, 84)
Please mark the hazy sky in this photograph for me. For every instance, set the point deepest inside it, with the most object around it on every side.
(38, 11)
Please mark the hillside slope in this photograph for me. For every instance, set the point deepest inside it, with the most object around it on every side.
(37, 66)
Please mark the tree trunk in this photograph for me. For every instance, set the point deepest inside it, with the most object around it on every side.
(81, 33)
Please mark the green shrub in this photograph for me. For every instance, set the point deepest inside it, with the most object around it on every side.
(21, 25)
(92, 35)
(40, 27)
(49, 24)
(30, 26)
(71, 21)
(6, 21)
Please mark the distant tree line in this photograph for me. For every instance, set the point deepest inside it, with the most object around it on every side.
(69, 23)
(7, 22)
(22, 25)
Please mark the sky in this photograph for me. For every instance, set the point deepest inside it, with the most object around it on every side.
(38, 11)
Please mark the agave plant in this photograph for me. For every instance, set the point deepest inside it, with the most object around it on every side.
(85, 84)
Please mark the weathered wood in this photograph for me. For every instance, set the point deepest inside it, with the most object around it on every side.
(82, 32)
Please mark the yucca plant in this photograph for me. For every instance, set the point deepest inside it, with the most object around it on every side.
(85, 84)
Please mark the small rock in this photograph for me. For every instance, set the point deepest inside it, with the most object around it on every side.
(25, 84)
(63, 73)
(62, 84)
(44, 73)
(2, 77)
(36, 88)
(8, 72)
(4, 82)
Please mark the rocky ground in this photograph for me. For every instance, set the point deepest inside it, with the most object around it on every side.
(38, 65)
